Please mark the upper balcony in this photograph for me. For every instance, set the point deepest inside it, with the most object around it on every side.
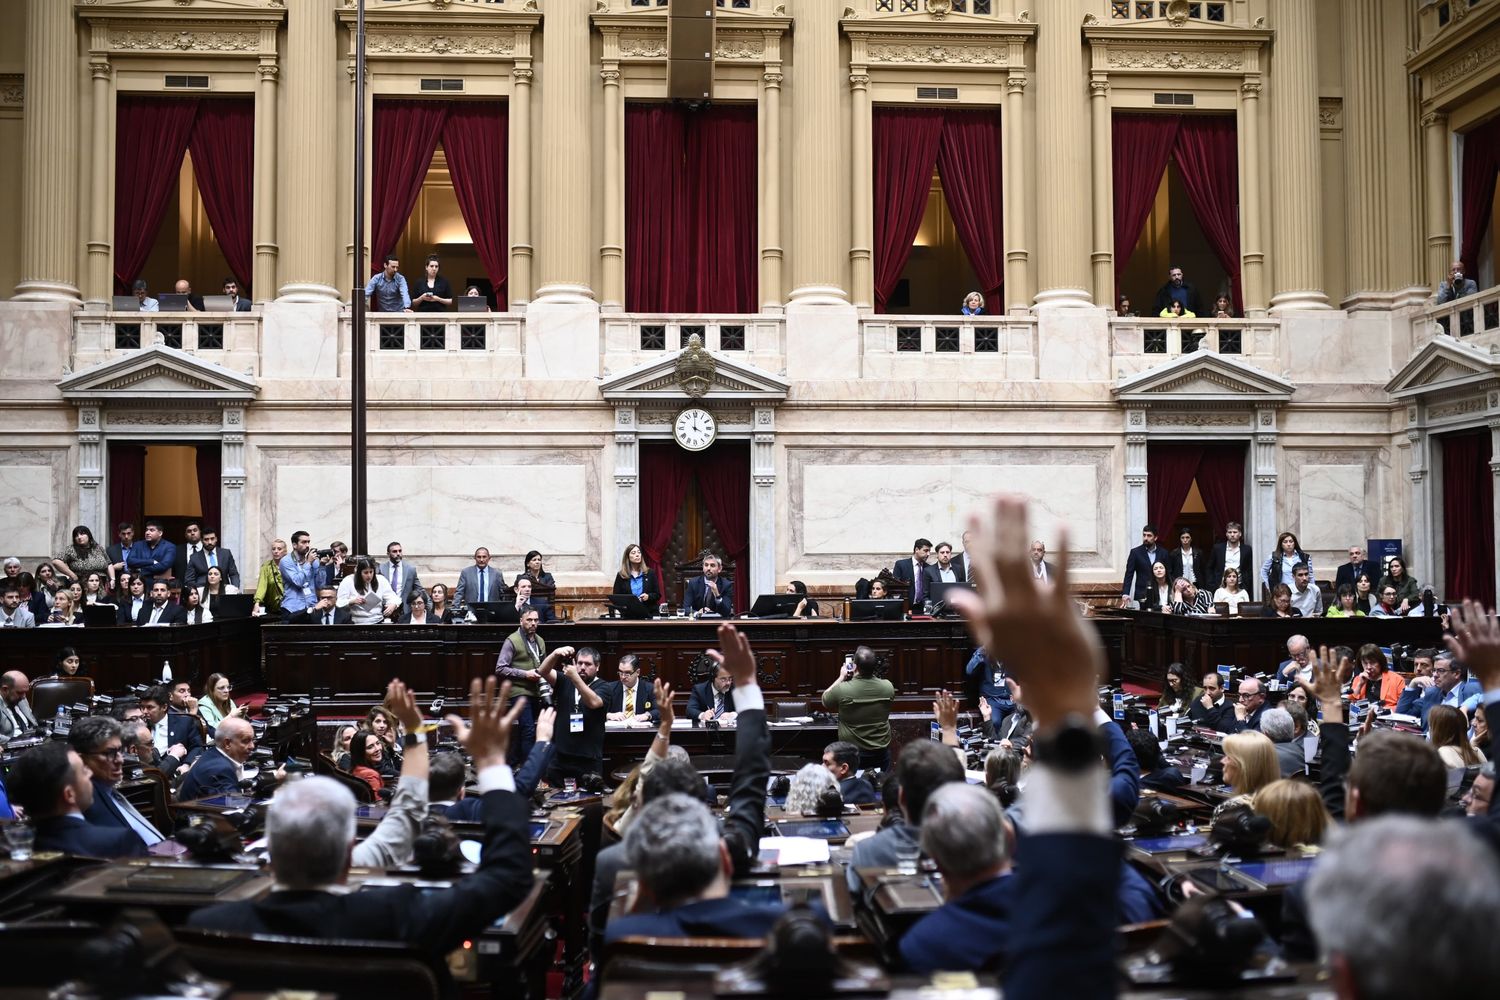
(1473, 319)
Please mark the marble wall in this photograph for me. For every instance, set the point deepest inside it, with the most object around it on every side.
(34, 504)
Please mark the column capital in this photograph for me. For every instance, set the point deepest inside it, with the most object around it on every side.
(100, 66)
(610, 75)
(857, 81)
(772, 78)
(268, 72)
(1099, 87)
(1434, 119)
(1016, 83)
(523, 74)
(1250, 89)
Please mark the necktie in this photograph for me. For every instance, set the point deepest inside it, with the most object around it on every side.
(396, 577)
(155, 614)
(328, 618)
(484, 584)
(718, 704)
(213, 559)
(630, 702)
(140, 824)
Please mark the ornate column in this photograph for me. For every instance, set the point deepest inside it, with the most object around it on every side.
(312, 132)
(566, 208)
(266, 153)
(1018, 271)
(1494, 425)
(1421, 528)
(1367, 226)
(92, 506)
(817, 265)
(770, 188)
(612, 253)
(1137, 510)
(232, 479)
(99, 281)
(1263, 520)
(1252, 257)
(1438, 208)
(1103, 258)
(1062, 155)
(861, 207)
(763, 501)
(1296, 219)
(49, 157)
(521, 251)
(627, 478)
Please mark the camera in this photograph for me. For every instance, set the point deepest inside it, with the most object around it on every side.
(325, 553)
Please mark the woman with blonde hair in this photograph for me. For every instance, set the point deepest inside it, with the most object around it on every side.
(217, 703)
(973, 304)
(1448, 729)
(638, 580)
(1296, 811)
(1249, 762)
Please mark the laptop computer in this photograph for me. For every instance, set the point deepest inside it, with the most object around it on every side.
(888, 609)
(172, 302)
(217, 304)
(775, 605)
(98, 615)
(496, 612)
(631, 606)
(471, 304)
(126, 304)
(938, 592)
(234, 606)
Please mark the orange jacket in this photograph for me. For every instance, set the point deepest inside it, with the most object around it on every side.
(1391, 686)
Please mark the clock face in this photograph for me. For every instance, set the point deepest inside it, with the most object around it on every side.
(695, 428)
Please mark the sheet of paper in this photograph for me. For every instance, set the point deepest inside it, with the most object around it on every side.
(794, 850)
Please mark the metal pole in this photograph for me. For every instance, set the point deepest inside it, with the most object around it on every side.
(358, 497)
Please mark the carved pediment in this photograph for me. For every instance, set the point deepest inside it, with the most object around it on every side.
(158, 376)
(1443, 364)
(727, 379)
(1204, 377)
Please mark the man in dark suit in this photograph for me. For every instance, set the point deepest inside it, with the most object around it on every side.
(210, 555)
(1041, 569)
(710, 592)
(1213, 709)
(630, 699)
(119, 553)
(160, 611)
(310, 825)
(176, 735)
(236, 302)
(324, 612)
(52, 783)
(1179, 290)
(1232, 553)
(479, 583)
(675, 845)
(192, 544)
(842, 758)
(96, 739)
(942, 571)
(714, 698)
(1138, 566)
(1191, 562)
(218, 771)
(1349, 572)
(912, 571)
(400, 574)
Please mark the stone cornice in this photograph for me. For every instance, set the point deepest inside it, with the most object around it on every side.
(1202, 51)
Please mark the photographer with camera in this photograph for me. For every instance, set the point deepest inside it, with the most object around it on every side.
(301, 575)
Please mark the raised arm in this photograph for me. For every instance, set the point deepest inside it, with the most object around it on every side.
(1333, 734)
(392, 841)
(746, 816)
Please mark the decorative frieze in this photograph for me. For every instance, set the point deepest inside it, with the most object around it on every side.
(1204, 59)
(404, 42)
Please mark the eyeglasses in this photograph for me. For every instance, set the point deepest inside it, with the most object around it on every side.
(118, 753)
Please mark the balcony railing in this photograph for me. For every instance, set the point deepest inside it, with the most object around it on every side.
(442, 345)
(982, 347)
(878, 8)
(230, 339)
(1473, 318)
(1140, 343)
(631, 339)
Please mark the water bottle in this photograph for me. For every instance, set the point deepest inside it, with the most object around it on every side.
(166, 671)
(60, 722)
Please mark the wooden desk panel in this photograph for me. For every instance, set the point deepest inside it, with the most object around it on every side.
(123, 655)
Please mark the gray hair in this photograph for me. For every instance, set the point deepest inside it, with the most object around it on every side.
(809, 785)
(227, 729)
(673, 846)
(90, 733)
(1278, 724)
(1296, 642)
(309, 828)
(1432, 874)
(963, 830)
(1000, 765)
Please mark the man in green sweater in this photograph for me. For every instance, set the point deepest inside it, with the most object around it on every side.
(863, 702)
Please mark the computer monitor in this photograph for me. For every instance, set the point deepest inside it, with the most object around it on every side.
(938, 592)
(234, 606)
(888, 609)
(99, 615)
(496, 612)
(631, 606)
(775, 605)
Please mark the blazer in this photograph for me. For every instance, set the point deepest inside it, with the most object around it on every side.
(1420, 701)
(1199, 561)
(1348, 573)
(213, 774)
(182, 728)
(1066, 884)
(1246, 566)
(171, 614)
(1016, 727)
(8, 718)
(1138, 570)
(650, 586)
(341, 616)
(241, 304)
(149, 562)
(932, 574)
(105, 814)
(433, 920)
(196, 574)
(905, 569)
(969, 932)
(695, 597)
(410, 581)
(702, 699)
(614, 698)
(467, 591)
(77, 836)
(856, 791)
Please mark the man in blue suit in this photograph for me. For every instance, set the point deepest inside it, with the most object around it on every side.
(52, 783)
(1138, 566)
(176, 735)
(218, 771)
(153, 555)
(97, 740)
(913, 570)
(1448, 685)
(842, 760)
(710, 592)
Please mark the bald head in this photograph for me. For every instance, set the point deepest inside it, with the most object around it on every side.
(236, 738)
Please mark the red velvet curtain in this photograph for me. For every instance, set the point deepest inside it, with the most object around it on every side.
(223, 148)
(724, 482)
(1481, 163)
(1170, 469)
(904, 150)
(1142, 146)
(151, 136)
(1221, 483)
(664, 478)
(405, 137)
(208, 458)
(1468, 518)
(127, 488)
(968, 159)
(690, 209)
(476, 142)
(1207, 152)
(721, 164)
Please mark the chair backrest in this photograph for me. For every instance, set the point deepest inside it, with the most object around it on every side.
(323, 764)
(349, 968)
(47, 693)
(151, 795)
(40, 953)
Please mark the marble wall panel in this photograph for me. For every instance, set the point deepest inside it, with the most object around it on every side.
(37, 497)
(1331, 506)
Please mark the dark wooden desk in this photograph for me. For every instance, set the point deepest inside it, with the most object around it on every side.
(115, 657)
(1152, 640)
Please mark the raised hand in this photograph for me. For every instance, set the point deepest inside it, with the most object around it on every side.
(545, 724)
(1476, 642)
(487, 735)
(661, 693)
(945, 711)
(403, 705)
(1034, 630)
